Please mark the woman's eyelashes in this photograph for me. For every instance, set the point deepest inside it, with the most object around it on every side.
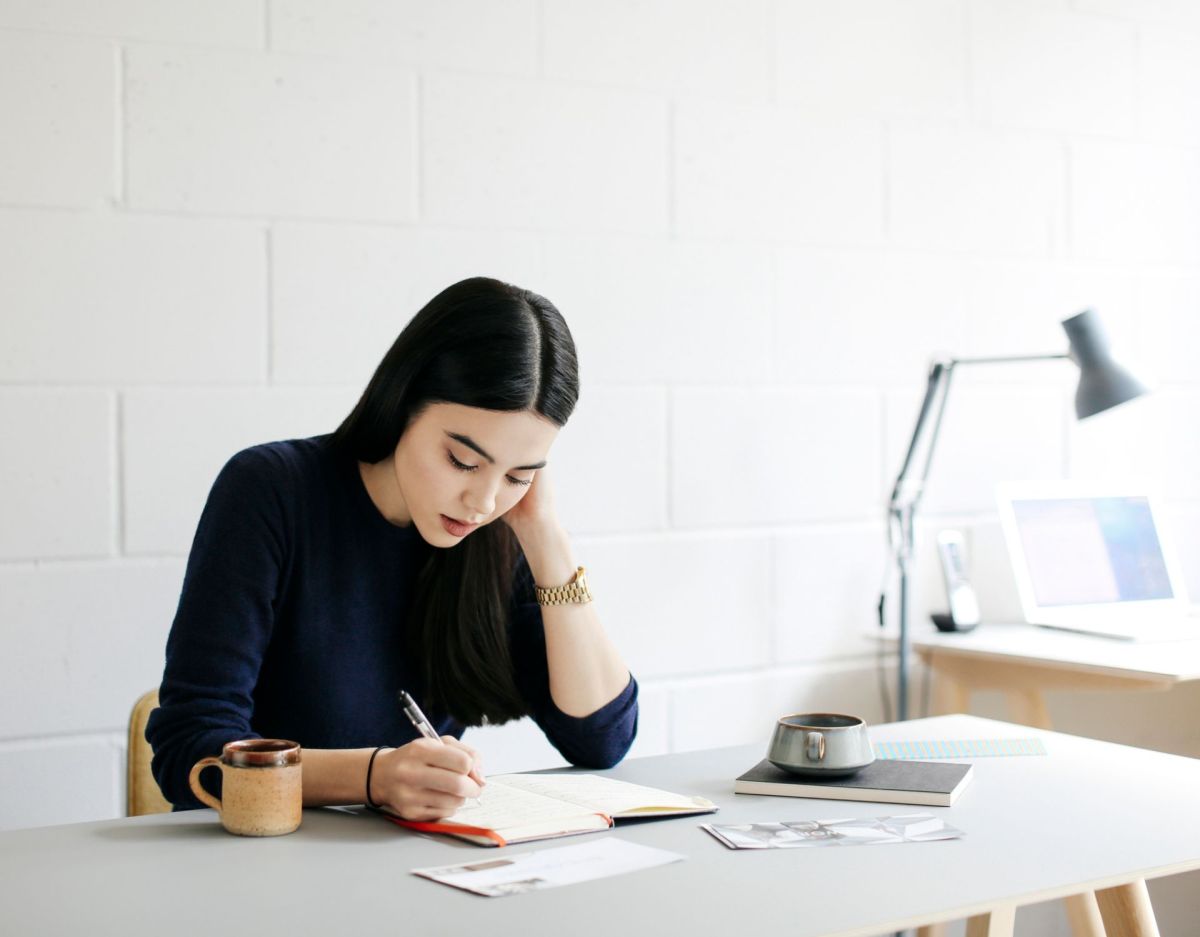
(464, 467)
(461, 466)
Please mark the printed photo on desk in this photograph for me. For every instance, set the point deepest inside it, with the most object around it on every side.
(853, 831)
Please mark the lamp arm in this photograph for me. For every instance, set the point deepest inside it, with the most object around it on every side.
(940, 373)
(937, 390)
(903, 504)
(1010, 359)
(906, 494)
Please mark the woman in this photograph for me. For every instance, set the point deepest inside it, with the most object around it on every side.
(400, 552)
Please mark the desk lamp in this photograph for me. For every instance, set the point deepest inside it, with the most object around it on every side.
(1103, 383)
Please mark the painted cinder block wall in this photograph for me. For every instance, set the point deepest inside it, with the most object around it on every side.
(761, 219)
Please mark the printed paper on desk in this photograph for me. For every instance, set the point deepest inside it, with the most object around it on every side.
(549, 868)
(864, 831)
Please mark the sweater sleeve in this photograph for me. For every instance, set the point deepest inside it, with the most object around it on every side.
(222, 626)
(597, 740)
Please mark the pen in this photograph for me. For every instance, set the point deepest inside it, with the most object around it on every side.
(420, 721)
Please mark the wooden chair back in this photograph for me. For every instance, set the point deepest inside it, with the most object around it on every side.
(142, 793)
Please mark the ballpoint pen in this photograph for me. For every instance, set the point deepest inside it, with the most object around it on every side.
(420, 721)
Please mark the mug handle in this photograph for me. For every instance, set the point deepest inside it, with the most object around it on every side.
(814, 746)
(194, 782)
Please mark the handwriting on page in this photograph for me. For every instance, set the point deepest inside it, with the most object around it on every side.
(502, 804)
(603, 794)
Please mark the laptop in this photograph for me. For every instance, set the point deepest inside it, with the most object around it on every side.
(1095, 559)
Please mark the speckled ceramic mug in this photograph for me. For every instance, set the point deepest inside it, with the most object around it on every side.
(260, 786)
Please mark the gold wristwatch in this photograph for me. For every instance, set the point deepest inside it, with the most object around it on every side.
(574, 592)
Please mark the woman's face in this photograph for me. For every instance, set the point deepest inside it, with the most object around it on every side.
(460, 467)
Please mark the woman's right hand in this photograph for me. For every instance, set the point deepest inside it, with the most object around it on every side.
(425, 779)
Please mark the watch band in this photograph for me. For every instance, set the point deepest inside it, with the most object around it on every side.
(574, 592)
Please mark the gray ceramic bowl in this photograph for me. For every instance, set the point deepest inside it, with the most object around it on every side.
(820, 744)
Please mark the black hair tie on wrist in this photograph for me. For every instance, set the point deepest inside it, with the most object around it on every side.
(370, 768)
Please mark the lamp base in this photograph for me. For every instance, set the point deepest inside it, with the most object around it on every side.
(945, 622)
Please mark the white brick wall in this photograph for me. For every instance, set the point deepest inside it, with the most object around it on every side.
(975, 190)
(1135, 202)
(240, 133)
(57, 484)
(761, 220)
(655, 311)
(86, 636)
(1045, 68)
(57, 98)
(826, 584)
(113, 299)
(801, 454)
(615, 443)
(715, 48)
(1170, 82)
(1182, 15)
(755, 171)
(1167, 307)
(889, 57)
(30, 770)
(705, 593)
(493, 38)
(558, 156)
(231, 23)
(822, 295)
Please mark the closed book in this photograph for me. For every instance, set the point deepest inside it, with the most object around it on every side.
(928, 783)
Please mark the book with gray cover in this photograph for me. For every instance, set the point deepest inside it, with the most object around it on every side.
(928, 783)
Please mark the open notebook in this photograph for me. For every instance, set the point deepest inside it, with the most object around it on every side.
(518, 808)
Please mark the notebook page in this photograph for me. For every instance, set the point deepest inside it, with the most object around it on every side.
(502, 805)
(606, 795)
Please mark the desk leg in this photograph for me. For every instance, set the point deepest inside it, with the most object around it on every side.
(932, 930)
(1083, 914)
(949, 696)
(1029, 708)
(1126, 910)
(998, 923)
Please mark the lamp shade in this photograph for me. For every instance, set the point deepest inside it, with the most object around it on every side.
(1103, 383)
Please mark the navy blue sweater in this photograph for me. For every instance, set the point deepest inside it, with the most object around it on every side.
(291, 625)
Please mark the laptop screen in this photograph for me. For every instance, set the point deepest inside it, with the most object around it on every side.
(1083, 551)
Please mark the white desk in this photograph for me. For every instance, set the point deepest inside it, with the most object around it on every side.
(1090, 815)
(1023, 661)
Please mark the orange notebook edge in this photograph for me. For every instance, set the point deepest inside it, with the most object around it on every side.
(434, 826)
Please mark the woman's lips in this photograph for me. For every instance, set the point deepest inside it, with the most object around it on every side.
(456, 528)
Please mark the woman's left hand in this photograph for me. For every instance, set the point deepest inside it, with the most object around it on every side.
(545, 544)
(534, 515)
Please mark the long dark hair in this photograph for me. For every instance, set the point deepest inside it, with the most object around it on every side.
(480, 343)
